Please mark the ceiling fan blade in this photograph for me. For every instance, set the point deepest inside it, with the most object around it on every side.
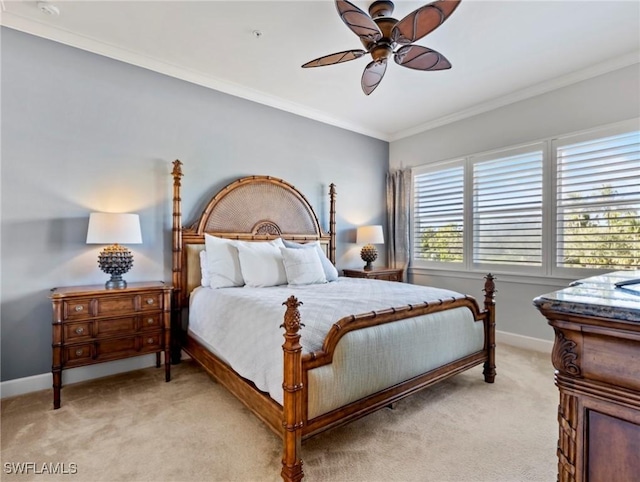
(372, 75)
(420, 58)
(422, 21)
(359, 22)
(336, 58)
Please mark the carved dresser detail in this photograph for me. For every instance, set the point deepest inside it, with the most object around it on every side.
(596, 355)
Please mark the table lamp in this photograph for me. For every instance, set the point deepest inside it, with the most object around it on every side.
(369, 235)
(113, 229)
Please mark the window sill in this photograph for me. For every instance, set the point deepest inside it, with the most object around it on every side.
(541, 280)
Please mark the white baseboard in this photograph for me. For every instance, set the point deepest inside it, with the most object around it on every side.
(20, 386)
(521, 341)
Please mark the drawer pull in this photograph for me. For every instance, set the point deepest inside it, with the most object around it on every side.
(150, 321)
(80, 330)
(150, 301)
(79, 352)
(79, 308)
(150, 341)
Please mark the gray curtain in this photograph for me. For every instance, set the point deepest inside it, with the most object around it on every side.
(398, 205)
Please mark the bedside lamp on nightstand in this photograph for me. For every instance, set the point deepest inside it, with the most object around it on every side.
(110, 228)
(369, 235)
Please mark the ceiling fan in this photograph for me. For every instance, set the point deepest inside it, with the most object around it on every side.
(380, 34)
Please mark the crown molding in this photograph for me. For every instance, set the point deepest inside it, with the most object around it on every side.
(62, 36)
(88, 44)
(519, 95)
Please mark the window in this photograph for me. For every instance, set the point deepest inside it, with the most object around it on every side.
(547, 208)
(598, 202)
(438, 214)
(507, 210)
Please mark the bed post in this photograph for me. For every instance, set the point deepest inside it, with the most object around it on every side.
(490, 328)
(292, 388)
(176, 302)
(332, 223)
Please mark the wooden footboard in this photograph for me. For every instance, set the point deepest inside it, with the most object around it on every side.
(296, 367)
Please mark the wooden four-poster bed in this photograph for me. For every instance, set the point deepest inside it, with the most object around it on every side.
(356, 366)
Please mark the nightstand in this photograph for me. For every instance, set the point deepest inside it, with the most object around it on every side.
(92, 325)
(387, 274)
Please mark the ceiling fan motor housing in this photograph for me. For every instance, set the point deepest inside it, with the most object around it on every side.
(383, 48)
(381, 8)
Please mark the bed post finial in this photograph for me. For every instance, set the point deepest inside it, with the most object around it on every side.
(490, 328)
(176, 302)
(332, 223)
(292, 388)
(177, 171)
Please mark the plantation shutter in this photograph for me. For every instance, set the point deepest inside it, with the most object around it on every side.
(598, 202)
(439, 215)
(507, 209)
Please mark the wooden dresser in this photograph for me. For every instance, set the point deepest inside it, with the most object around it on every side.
(597, 359)
(388, 274)
(93, 325)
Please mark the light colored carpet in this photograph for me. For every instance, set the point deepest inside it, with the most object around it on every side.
(135, 427)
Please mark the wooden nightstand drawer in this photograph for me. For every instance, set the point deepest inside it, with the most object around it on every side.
(149, 302)
(114, 306)
(151, 321)
(78, 354)
(114, 326)
(116, 347)
(77, 331)
(150, 342)
(79, 309)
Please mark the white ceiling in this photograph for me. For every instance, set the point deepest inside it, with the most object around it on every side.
(501, 51)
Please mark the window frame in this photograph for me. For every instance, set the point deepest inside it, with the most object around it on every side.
(548, 268)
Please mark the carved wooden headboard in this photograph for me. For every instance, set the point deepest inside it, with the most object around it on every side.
(252, 208)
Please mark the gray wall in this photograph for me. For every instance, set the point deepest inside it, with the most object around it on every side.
(602, 100)
(83, 133)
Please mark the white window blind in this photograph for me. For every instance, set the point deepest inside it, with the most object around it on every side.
(438, 215)
(598, 202)
(507, 210)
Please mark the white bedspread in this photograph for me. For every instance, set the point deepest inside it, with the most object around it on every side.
(241, 325)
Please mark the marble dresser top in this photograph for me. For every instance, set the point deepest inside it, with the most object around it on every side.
(598, 296)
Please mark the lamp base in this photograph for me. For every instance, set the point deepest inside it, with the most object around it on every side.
(115, 260)
(369, 254)
(115, 283)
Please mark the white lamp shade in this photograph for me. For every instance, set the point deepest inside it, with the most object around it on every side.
(112, 228)
(369, 235)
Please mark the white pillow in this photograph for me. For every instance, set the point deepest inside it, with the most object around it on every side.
(223, 265)
(261, 263)
(303, 266)
(330, 271)
(205, 280)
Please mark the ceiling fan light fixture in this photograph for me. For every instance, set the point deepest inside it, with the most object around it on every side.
(381, 51)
